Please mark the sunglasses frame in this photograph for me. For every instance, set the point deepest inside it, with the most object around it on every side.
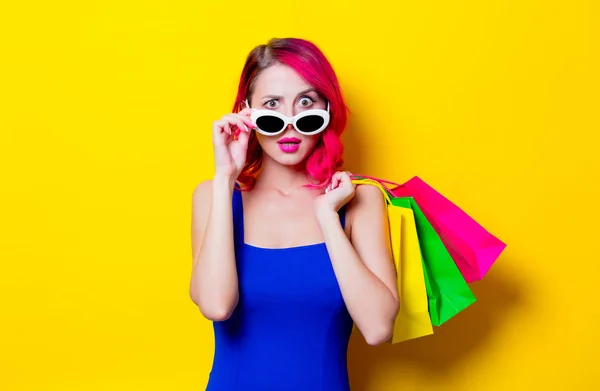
(255, 115)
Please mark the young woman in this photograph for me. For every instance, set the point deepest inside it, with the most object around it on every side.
(288, 253)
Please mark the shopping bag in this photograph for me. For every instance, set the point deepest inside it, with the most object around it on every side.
(413, 319)
(447, 289)
(472, 247)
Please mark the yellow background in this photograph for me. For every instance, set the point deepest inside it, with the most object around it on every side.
(105, 119)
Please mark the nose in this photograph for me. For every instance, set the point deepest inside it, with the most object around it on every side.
(289, 111)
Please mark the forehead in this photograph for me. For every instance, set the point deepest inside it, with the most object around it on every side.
(279, 80)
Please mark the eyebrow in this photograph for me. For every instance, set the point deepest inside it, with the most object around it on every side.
(300, 93)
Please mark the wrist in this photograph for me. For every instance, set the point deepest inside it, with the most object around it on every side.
(326, 216)
(223, 182)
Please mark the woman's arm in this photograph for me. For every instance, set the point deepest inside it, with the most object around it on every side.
(214, 281)
(363, 264)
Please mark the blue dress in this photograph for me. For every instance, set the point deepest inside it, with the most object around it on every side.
(290, 329)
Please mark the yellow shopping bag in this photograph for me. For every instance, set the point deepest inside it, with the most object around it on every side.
(413, 320)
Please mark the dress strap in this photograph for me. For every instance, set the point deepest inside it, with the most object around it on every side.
(238, 216)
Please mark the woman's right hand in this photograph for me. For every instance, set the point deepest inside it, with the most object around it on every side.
(230, 141)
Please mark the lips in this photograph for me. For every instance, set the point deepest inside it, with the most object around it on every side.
(289, 144)
(289, 140)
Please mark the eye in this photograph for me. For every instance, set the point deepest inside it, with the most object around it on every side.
(271, 104)
(306, 101)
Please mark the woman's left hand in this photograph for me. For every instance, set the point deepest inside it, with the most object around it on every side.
(339, 192)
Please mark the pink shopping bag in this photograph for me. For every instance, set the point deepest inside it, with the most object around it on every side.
(472, 247)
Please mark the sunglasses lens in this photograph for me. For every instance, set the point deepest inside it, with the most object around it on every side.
(310, 123)
(269, 123)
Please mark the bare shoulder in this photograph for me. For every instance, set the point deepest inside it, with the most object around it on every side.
(367, 200)
(369, 193)
(202, 193)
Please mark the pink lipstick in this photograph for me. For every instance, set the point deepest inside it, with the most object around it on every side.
(289, 144)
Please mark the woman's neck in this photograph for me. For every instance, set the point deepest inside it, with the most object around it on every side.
(282, 178)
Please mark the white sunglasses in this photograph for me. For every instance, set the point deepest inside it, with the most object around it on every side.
(272, 123)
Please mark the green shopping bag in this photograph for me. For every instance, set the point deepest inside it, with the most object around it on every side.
(447, 291)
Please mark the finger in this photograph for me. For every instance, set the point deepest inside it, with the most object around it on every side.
(247, 121)
(344, 180)
(347, 183)
(339, 176)
(219, 135)
(219, 127)
(334, 182)
(345, 177)
(244, 115)
(243, 123)
(243, 138)
(218, 124)
(246, 111)
(231, 116)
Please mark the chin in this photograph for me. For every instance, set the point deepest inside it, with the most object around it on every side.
(288, 159)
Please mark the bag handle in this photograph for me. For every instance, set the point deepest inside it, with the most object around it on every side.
(383, 182)
(373, 182)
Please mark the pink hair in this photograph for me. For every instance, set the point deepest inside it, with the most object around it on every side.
(312, 65)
